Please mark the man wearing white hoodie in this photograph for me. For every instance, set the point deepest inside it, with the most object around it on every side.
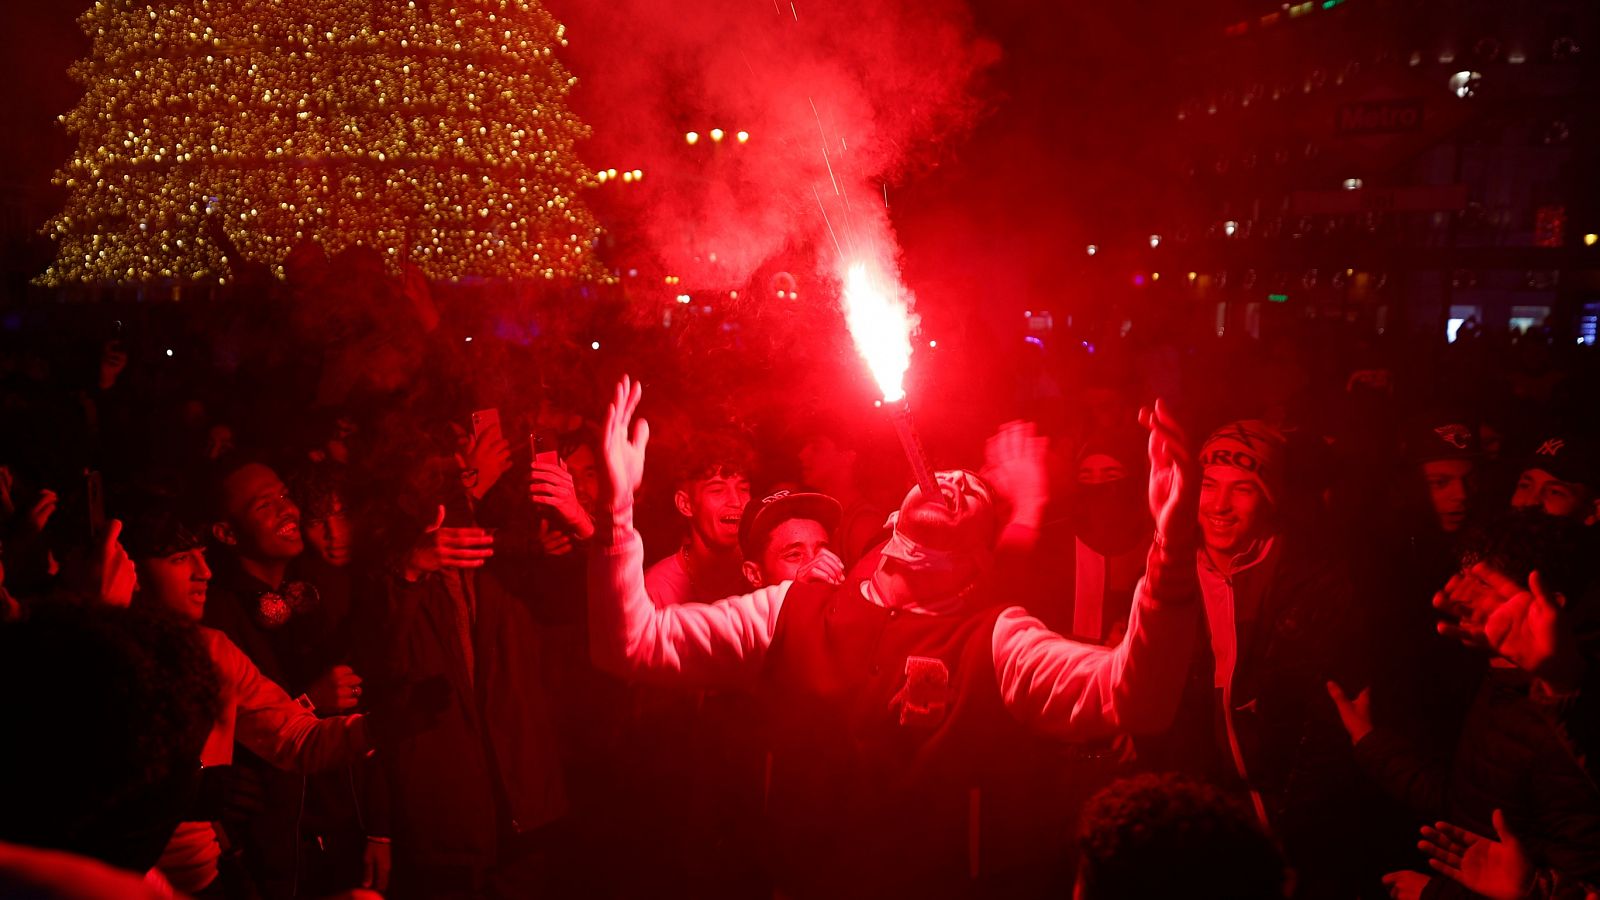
(900, 702)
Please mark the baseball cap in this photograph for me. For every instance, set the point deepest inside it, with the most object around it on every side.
(763, 515)
(1567, 458)
(1431, 440)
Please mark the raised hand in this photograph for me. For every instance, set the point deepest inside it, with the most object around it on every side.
(490, 457)
(1522, 624)
(113, 359)
(455, 548)
(1355, 712)
(1499, 869)
(550, 486)
(624, 454)
(7, 482)
(824, 568)
(117, 575)
(41, 511)
(1173, 488)
(1014, 465)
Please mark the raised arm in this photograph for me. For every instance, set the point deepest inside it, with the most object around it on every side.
(1079, 691)
(708, 644)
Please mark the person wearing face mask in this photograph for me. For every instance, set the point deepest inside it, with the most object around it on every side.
(1111, 537)
(897, 700)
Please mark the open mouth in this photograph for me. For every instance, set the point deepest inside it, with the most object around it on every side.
(289, 530)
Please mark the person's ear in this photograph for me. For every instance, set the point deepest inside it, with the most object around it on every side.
(223, 532)
(752, 574)
(680, 499)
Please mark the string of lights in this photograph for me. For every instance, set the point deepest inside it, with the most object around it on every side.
(438, 135)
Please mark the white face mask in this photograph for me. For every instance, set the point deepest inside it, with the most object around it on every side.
(930, 560)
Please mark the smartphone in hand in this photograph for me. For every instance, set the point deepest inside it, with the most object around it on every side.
(483, 420)
(540, 452)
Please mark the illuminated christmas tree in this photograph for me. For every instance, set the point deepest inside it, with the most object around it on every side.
(433, 131)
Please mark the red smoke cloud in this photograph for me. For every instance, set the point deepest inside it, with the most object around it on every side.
(839, 100)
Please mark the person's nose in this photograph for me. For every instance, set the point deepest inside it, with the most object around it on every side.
(203, 573)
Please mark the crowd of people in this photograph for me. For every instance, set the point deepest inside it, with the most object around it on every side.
(336, 612)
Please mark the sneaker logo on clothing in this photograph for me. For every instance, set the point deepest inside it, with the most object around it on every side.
(924, 700)
(1456, 436)
(1551, 447)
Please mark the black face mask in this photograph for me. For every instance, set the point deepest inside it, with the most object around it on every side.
(1110, 517)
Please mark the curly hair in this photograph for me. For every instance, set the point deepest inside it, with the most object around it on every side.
(1170, 836)
(712, 455)
(317, 487)
(116, 708)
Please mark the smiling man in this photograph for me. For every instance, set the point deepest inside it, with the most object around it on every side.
(712, 488)
(288, 631)
(1282, 626)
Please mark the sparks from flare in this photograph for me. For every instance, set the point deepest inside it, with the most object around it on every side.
(880, 322)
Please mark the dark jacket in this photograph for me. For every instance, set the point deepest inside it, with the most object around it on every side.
(489, 769)
(1511, 758)
(1295, 752)
(310, 834)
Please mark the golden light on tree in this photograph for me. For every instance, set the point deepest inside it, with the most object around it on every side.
(436, 134)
